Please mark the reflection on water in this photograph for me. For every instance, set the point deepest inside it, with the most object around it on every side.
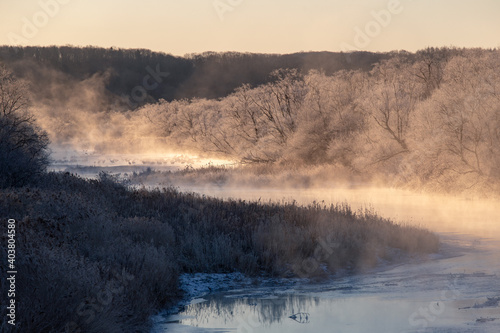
(235, 312)
(459, 293)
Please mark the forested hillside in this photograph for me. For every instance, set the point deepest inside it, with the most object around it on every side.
(207, 75)
(428, 119)
(433, 122)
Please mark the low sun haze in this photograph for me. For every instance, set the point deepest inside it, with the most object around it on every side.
(193, 26)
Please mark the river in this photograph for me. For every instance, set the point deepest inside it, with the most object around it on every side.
(455, 290)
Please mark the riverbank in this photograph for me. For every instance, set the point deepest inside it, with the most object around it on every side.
(455, 290)
(117, 254)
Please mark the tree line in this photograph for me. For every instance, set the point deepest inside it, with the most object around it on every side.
(429, 118)
(434, 121)
(205, 75)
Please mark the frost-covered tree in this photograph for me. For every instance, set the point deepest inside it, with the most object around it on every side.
(427, 118)
(279, 103)
(23, 145)
(429, 67)
(329, 119)
(462, 120)
(390, 99)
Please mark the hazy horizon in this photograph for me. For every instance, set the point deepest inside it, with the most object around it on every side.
(197, 26)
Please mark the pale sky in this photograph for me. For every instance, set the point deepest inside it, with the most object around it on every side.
(265, 26)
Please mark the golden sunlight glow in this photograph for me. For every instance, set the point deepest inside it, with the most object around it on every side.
(181, 27)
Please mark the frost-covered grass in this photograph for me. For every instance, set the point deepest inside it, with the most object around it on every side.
(95, 255)
(250, 176)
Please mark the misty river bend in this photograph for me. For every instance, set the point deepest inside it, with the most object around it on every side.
(456, 290)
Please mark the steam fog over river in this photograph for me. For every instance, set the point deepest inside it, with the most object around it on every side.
(456, 290)
(437, 213)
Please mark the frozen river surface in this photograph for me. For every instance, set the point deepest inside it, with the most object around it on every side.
(456, 290)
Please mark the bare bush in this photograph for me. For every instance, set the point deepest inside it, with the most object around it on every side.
(23, 145)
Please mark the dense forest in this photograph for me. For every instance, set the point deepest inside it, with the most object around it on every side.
(206, 75)
(428, 119)
(432, 122)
